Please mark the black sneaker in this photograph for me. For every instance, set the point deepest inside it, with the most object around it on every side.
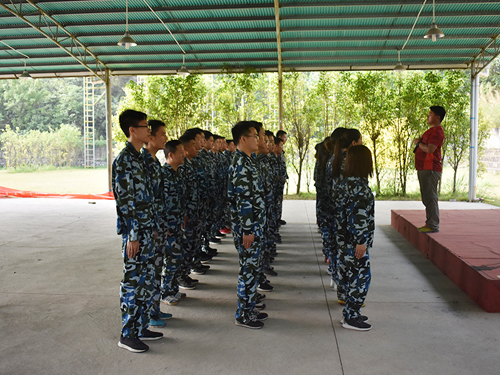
(260, 306)
(356, 324)
(190, 280)
(269, 272)
(133, 345)
(183, 284)
(251, 323)
(198, 271)
(261, 316)
(260, 297)
(148, 335)
(204, 257)
(265, 287)
(214, 240)
(220, 235)
(362, 317)
(281, 222)
(211, 251)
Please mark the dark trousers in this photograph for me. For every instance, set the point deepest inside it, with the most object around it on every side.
(428, 190)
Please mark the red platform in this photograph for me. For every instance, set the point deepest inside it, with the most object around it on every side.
(466, 249)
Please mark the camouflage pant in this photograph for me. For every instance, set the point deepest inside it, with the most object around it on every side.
(330, 250)
(137, 286)
(354, 280)
(158, 265)
(173, 260)
(191, 245)
(248, 276)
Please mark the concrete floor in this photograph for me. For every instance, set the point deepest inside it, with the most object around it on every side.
(59, 309)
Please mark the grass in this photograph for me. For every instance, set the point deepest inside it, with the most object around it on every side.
(95, 181)
(61, 181)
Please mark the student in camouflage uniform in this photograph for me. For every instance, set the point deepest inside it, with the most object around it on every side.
(137, 226)
(229, 154)
(175, 220)
(355, 224)
(247, 199)
(156, 142)
(192, 199)
(348, 138)
(283, 174)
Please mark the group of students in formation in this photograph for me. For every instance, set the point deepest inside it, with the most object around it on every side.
(345, 217)
(168, 215)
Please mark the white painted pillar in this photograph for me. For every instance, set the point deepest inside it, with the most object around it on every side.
(109, 128)
(474, 113)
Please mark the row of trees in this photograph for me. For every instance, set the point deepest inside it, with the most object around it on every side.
(35, 148)
(388, 108)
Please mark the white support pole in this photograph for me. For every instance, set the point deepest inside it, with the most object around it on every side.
(109, 129)
(474, 113)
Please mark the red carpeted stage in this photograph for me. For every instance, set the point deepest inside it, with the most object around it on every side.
(466, 249)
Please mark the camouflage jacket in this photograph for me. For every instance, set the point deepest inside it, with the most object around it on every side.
(282, 167)
(267, 178)
(246, 195)
(174, 191)
(199, 165)
(133, 193)
(275, 171)
(154, 169)
(191, 184)
(210, 167)
(229, 156)
(355, 212)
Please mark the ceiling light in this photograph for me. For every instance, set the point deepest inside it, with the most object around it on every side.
(434, 32)
(183, 70)
(25, 74)
(127, 40)
(400, 66)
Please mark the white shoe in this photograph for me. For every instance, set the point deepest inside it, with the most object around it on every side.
(333, 285)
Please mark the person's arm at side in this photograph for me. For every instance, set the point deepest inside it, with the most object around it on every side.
(242, 183)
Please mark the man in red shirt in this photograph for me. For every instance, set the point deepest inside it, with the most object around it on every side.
(429, 167)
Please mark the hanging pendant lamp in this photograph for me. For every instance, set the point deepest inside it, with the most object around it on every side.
(400, 67)
(183, 70)
(25, 74)
(127, 40)
(433, 32)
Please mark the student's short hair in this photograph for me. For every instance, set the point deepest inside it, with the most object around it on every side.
(281, 133)
(240, 129)
(358, 162)
(187, 137)
(229, 141)
(269, 133)
(194, 131)
(130, 118)
(155, 125)
(208, 134)
(278, 140)
(171, 146)
(216, 137)
(438, 110)
(257, 125)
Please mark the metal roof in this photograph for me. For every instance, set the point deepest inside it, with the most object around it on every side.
(75, 38)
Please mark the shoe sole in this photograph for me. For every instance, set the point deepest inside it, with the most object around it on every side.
(245, 326)
(347, 326)
(130, 349)
(264, 290)
(150, 338)
(187, 287)
(197, 273)
(170, 304)
(158, 326)
(342, 320)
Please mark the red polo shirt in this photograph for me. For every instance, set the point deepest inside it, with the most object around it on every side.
(430, 162)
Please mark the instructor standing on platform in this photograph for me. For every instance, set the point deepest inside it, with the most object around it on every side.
(429, 167)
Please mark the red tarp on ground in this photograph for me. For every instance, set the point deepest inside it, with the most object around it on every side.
(6, 192)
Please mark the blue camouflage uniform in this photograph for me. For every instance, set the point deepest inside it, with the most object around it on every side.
(174, 190)
(192, 205)
(153, 168)
(136, 222)
(246, 195)
(354, 220)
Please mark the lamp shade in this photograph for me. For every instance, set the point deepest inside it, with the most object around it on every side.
(433, 33)
(127, 41)
(25, 75)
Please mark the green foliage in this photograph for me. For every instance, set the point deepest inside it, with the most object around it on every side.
(35, 148)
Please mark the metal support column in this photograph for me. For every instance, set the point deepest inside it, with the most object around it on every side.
(109, 129)
(474, 112)
(280, 69)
